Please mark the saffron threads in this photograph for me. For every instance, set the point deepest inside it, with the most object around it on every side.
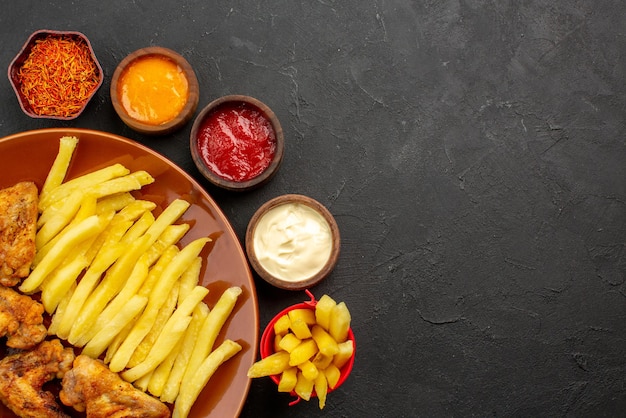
(58, 76)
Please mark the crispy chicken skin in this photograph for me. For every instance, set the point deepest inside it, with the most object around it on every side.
(23, 375)
(91, 387)
(21, 319)
(18, 226)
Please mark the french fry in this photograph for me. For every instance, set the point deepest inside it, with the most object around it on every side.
(303, 352)
(60, 310)
(115, 202)
(175, 269)
(304, 386)
(332, 375)
(300, 328)
(157, 288)
(84, 182)
(139, 229)
(103, 338)
(307, 316)
(157, 269)
(108, 287)
(55, 256)
(281, 327)
(170, 236)
(289, 342)
(321, 389)
(143, 382)
(211, 328)
(156, 297)
(140, 329)
(171, 273)
(165, 312)
(172, 332)
(117, 342)
(190, 279)
(326, 344)
(277, 339)
(339, 322)
(172, 386)
(309, 371)
(344, 353)
(134, 209)
(161, 373)
(59, 282)
(323, 310)
(90, 248)
(190, 389)
(127, 183)
(107, 254)
(273, 364)
(321, 361)
(118, 303)
(87, 207)
(58, 220)
(288, 379)
(171, 213)
(58, 171)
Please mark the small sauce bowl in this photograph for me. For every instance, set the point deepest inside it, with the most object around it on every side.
(45, 99)
(237, 143)
(293, 242)
(267, 345)
(154, 91)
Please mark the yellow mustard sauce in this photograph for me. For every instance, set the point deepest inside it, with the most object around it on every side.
(153, 90)
(292, 241)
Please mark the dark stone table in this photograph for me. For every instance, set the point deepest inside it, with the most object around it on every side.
(473, 154)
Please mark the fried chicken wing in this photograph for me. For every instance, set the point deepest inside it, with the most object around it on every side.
(91, 387)
(21, 319)
(23, 375)
(18, 227)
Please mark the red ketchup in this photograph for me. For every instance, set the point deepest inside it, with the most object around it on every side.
(236, 141)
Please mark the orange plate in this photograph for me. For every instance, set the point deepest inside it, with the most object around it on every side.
(29, 156)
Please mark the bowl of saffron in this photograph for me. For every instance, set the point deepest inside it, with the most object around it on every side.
(155, 91)
(237, 143)
(55, 74)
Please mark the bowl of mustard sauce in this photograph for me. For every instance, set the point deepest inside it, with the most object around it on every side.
(154, 91)
(293, 242)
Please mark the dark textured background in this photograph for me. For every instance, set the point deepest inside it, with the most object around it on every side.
(473, 153)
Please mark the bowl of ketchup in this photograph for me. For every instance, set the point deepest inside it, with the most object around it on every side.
(237, 143)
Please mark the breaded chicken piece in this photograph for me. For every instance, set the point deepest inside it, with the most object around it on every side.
(91, 387)
(18, 227)
(21, 319)
(23, 375)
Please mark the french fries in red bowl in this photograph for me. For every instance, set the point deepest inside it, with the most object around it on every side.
(308, 349)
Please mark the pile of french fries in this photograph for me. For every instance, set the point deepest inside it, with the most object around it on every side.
(310, 348)
(117, 284)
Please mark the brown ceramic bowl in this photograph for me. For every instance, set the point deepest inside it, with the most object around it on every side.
(21, 58)
(278, 280)
(169, 125)
(220, 105)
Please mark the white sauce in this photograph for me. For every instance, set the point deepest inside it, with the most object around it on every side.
(292, 241)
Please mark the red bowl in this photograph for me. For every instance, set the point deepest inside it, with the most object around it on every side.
(22, 56)
(267, 345)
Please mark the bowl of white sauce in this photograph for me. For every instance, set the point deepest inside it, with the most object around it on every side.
(292, 242)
